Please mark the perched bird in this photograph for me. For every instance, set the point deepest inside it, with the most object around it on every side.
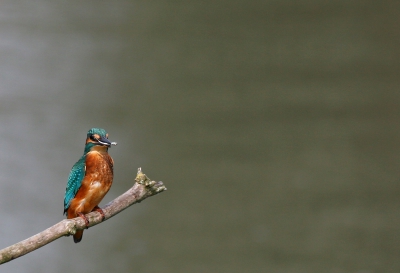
(90, 178)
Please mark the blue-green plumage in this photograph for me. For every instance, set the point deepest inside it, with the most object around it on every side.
(74, 181)
(78, 170)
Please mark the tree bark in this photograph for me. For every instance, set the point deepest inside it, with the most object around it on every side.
(142, 188)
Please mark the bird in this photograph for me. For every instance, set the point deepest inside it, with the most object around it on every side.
(90, 179)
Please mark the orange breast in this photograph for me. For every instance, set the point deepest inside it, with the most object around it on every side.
(96, 183)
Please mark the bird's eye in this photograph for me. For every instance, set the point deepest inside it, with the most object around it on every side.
(92, 137)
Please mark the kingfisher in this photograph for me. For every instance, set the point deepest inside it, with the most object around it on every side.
(90, 178)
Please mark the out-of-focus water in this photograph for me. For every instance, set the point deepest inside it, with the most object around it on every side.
(274, 125)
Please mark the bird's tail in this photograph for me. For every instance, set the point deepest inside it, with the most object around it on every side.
(78, 236)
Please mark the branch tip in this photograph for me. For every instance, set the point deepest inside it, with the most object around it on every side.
(153, 186)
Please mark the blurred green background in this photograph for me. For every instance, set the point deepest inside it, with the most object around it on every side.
(274, 125)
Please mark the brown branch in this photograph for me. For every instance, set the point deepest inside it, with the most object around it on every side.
(142, 189)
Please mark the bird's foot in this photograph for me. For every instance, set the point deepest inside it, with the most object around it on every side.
(99, 210)
(80, 214)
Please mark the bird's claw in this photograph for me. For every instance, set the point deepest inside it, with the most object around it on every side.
(99, 210)
(80, 214)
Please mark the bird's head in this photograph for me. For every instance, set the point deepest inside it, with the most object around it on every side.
(97, 139)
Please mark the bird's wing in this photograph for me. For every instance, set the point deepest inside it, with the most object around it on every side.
(74, 181)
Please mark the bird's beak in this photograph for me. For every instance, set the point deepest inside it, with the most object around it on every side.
(104, 141)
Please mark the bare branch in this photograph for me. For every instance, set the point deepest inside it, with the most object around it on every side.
(142, 189)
